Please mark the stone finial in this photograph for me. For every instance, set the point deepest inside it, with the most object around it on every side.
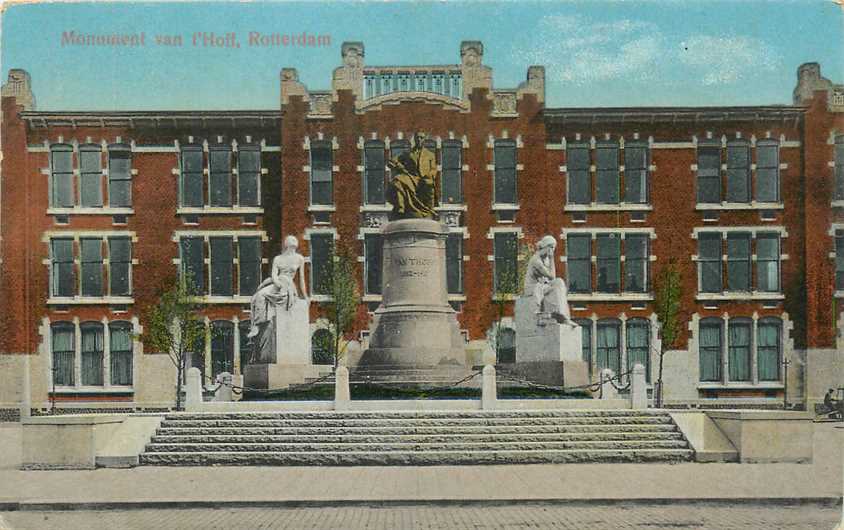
(19, 86)
(290, 85)
(471, 53)
(809, 80)
(535, 83)
(349, 76)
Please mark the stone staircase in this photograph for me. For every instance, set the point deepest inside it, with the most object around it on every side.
(416, 438)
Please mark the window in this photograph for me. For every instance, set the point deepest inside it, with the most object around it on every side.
(579, 262)
(739, 348)
(767, 171)
(738, 171)
(609, 263)
(91, 176)
(249, 259)
(577, 169)
(322, 257)
(607, 168)
(222, 347)
(636, 263)
(321, 346)
(63, 272)
(454, 263)
(609, 349)
(191, 177)
(248, 175)
(839, 260)
(639, 345)
(768, 262)
(839, 168)
(452, 172)
(92, 266)
(709, 259)
(586, 342)
(636, 164)
(709, 173)
(709, 347)
(192, 253)
(220, 169)
(221, 266)
(373, 256)
(505, 248)
(92, 353)
(245, 345)
(64, 347)
(61, 176)
(119, 176)
(505, 171)
(120, 339)
(322, 190)
(373, 167)
(398, 148)
(506, 345)
(769, 333)
(738, 261)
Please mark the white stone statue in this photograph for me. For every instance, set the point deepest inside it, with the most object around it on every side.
(275, 297)
(541, 282)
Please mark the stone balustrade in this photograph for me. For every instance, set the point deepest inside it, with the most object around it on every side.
(445, 81)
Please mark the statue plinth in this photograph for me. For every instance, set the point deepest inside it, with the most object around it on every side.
(414, 327)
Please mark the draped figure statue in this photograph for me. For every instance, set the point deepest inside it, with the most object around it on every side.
(412, 190)
(276, 294)
(541, 282)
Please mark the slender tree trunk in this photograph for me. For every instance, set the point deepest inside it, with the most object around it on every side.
(179, 388)
(659, 381)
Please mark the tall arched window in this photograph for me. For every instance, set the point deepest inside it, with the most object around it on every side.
(92, 353)
(639, 345)
(769, 348)
(222, 347)
(609, 345)
(709, 349)
(586, 345)
(321, 346)
(63, 344)
(739, 343)
(120, 351)
(245, 346)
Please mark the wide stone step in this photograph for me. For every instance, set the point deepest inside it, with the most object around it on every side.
(351, 458)
(415, 429)
(246, 424)
(413, 438)
(410, 414)
(429, 446)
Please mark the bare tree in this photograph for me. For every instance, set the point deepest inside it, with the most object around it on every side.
(175, 326)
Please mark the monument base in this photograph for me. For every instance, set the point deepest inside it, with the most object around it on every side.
(552, 373)
(415, 338)
(280, 376)
(540, 338)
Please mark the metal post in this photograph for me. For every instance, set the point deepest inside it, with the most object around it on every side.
(785, 364)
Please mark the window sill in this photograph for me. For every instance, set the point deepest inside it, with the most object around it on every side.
(751, 295)
(839, 203)
(321, 298)
(371, 298)
(839, 294)
(742, 385)
(596, 207)
(457, 298)
(104, 210)
(368, 208)
(324, 208)
(235, 299)
(610, 297)
(753, 205)
(93, 390)
(90, 300)
(220, 210)
(499, 206)
(454, 207)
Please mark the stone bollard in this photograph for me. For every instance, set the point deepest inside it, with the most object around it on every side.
(224, 388)
(638, 388)
(26, 391)
(608, 391)
(489, 396)
(193, 390)
(342, 394)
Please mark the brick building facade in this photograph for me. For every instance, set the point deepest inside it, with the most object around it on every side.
(101, 209)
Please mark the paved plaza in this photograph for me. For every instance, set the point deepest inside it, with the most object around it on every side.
(579, 516)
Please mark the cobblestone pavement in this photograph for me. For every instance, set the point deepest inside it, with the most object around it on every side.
(571, 516)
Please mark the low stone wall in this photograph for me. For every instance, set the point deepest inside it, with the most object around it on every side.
(767, 436)
(66, 442)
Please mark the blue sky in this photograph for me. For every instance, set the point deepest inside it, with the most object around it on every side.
(595, 53)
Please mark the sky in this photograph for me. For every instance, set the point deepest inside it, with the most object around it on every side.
(596, 53)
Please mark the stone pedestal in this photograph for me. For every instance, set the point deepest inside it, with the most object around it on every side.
(414, 327)
(292, 362)
(540, 338)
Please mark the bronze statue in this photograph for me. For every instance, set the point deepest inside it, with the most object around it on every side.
(413, 188)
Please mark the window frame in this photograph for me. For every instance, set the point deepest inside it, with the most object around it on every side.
(702, 196)
(717, 350)
(614, 261)
(838, 163)
(193, 178)
(738, 176)
(501, 171)
(322, 268)
(55, 175)
(243, 173)
(374, 174)
(607, 172)
(115, 176)
(499, 260)
(643, 196)
(576, 173)
(451, 173)
(773, 170)
(326, 147)
(91, 178)
(583, 262)
(97, 328)
(603, 352)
